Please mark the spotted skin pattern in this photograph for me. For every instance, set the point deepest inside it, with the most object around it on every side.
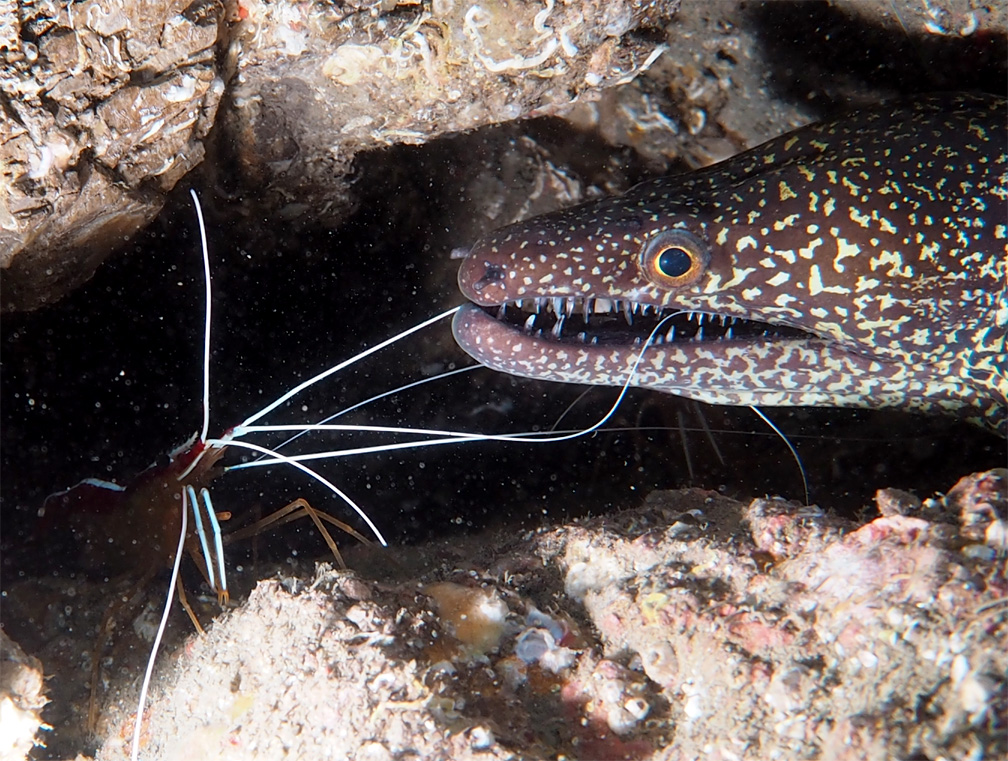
(881, 236)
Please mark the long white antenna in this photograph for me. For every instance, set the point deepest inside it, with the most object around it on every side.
(206, 329)
(134, 753)
(276, 456)
(794, 452)
(336, 368)
(399, 389)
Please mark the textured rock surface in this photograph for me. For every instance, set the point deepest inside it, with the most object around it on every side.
(22, 699)
(690, 625)
(315, 84)
(107, 107)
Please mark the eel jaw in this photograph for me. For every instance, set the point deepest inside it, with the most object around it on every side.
(758, 364)
(606, 322)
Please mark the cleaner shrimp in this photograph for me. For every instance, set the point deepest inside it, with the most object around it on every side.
(148, 522)
(139, 522)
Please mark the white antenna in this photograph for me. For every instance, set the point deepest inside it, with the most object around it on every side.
(206, 329)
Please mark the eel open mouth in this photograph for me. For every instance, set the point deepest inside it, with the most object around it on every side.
(699, 355)
(602, 322)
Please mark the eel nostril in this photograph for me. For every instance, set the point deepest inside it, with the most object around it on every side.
(493, 274)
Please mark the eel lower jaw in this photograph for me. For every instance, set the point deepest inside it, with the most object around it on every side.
(782, 367)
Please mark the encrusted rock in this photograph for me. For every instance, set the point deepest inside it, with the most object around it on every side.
(109, 105)
(21, 701)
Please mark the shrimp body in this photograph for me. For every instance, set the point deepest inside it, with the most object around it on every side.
(134, 528)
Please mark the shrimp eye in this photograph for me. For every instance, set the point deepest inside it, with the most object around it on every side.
(674, 258)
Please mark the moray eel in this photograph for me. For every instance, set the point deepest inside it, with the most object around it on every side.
(859, 262)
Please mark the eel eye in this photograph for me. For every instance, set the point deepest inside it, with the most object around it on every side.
(674, 258)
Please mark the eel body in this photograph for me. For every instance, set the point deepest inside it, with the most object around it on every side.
(858, 262)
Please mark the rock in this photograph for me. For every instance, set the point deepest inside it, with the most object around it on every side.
(109, 107)
(21, 701)
(678, 641)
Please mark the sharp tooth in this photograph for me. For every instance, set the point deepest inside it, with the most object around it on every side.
(602, 306)
(501, 311)
(670, 336)
(570, 305)
(729, 335)
(594, 340)
(556, 304)
(557, 328)
(628, 311)
(539, 303)
(527, 327)
(638, 341)
(586, 307)
(582, 336)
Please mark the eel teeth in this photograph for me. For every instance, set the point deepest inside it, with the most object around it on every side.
(690, 326)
